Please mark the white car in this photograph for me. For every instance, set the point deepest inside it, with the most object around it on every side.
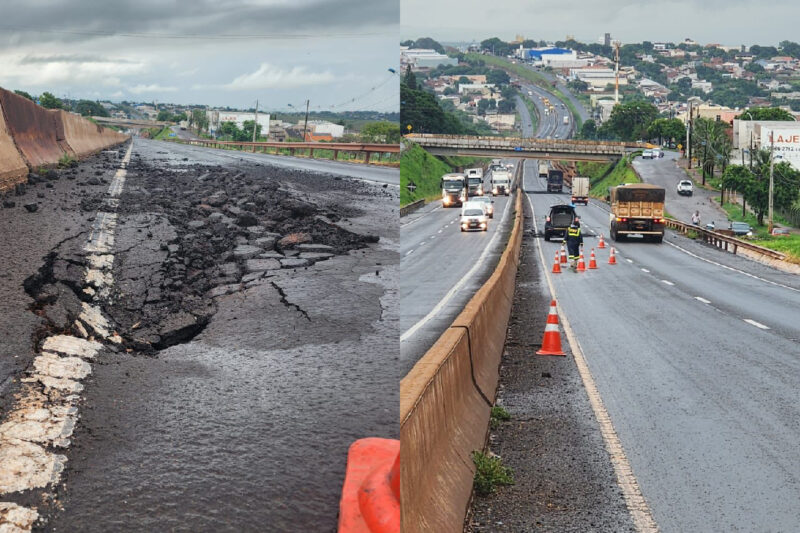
(474, 217)
(647, 154)
(488, 204)
(685, 187)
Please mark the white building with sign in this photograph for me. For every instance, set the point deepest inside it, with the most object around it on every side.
(217, 117)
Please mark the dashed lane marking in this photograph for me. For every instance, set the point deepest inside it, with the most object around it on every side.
(645, 270)
(754, 323)
(628, 260)
(701, 299)
(637, 506)
(409, 252)
(668, 282)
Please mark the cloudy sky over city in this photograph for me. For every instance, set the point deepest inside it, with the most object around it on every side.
(337, 53)
(726, 22)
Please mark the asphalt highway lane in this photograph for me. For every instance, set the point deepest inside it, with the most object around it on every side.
(702, 395)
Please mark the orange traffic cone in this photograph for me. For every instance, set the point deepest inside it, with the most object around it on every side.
(592, 260)
(556, 265)
(370, 501)
(563, 254)
(581, 264)
(602, 243)
(551, 344)
(612, 259)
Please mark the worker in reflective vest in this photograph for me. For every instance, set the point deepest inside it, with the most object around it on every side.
(574, 240)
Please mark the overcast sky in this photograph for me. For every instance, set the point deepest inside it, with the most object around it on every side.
(217, 52)
(727, 22)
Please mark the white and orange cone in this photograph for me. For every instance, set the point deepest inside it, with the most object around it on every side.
(551, 344)
(612, 258)
(581, 263)
(557, 265)
(592, 260)
(602, 243)
(563, 254)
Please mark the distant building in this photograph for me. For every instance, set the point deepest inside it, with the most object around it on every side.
(607, 39)
(323, 127)
(422, 58)
(217, 117)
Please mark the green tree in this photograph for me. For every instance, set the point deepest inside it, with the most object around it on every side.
(684, 84)
(381, 132)
(164, 116)
(410, 79)
(87, 108)
(669, 129)
(26, 95)
(229, 131)
(506, 106)
(753, 184)
(589, 130)
(578, 86)
(630, 121)
(47, 100)
(247, 131)
(711, 144)
(765, 113)
(428, 43)
(199, 119)
(496, 46)
(498, 77)
(420, 110)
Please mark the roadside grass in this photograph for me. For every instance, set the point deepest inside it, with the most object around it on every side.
(622, 173)
(533, 77)
(490, 473)
(789, 245)
(163, 134)
(533, 112)
(426, 171)
(498, 416)
(67, 161)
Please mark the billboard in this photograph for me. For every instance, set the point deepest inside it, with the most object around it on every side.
(786, 143)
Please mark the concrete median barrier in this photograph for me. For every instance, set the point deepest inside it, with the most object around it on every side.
(85, 137)
(446, 399)
(13, 169)
(38, 133)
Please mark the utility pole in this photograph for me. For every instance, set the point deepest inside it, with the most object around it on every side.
(305, 125)
(255, 123)
(616, 73)
(689, 137)
(771, 174)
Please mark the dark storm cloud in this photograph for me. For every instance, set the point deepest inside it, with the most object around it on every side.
(85, 19)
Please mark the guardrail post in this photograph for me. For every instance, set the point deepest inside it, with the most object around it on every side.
(366, 157)
(291, 151)
(311, 153)
(335, 154)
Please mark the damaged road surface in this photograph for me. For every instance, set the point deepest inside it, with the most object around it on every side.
(249, 314)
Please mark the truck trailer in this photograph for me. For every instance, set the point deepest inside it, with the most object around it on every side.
(637, 209)
(543, 168)
(555, 180)
(580, 190)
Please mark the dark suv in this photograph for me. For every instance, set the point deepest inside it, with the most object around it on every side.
(558, 220)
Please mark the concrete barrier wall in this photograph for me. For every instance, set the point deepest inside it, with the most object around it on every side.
(38, 133)
(85, 137)
(13, 169)
(445, 403)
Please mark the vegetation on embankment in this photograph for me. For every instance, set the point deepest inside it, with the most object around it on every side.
(426, 171)
(788, 244)
(605, 175)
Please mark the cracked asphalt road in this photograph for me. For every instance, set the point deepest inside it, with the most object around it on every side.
(259, 341)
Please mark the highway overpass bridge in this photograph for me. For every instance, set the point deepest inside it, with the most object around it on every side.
(129, 123)
(556, 149)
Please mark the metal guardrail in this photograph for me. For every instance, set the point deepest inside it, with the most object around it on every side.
(367, 148)
(413, 206)
(720, 240)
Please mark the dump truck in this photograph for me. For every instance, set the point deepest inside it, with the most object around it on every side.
(543, 168)
(637, 209)
(580, 190)
(555, 180)
(454, 190)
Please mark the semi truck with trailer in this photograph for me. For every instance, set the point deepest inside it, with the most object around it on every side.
(555, 180)
(501, 182)
(474, 182)
(637, 209)
(580, 190)
(454, 190)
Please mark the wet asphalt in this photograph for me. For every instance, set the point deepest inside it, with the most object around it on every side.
(246, 425)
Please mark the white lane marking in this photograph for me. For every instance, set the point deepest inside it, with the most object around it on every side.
(754, 323)
(687, 252)
(668, 282)
(422, 243)
(629, 260)
(407, 334)
(433, 236)
(410, 252)
(701, 299)
(645, 270)
(441, 230)
(640, 512)
(422, 216)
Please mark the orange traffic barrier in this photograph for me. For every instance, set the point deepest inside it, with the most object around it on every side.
(592, 260)
(581, 263)
(602, 243)
(557, 265)
(551, 344)
(370, 500)
(563, 254)
(612, 258)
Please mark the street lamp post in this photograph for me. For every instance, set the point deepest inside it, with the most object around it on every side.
(771, 176)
